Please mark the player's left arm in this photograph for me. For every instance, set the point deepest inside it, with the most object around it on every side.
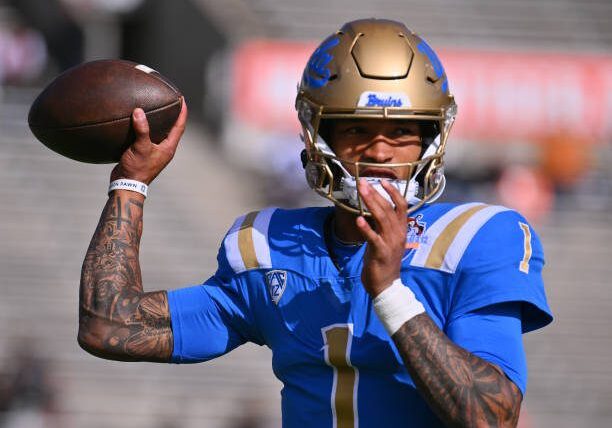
(461, 388)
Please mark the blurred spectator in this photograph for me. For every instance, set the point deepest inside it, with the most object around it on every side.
(23, 55)
(27, 397)
(565, 159)
(526, 190)
(63, 36)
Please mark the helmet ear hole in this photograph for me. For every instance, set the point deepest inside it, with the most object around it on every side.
(318, 174)
(434, 179)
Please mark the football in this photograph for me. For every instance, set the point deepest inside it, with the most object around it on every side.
(85, 113)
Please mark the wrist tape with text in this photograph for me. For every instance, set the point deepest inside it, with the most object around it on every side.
(126, 184)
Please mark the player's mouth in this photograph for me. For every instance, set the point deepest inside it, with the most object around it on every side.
(379, 172)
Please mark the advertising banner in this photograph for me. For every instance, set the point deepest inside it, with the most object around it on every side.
(502, 96)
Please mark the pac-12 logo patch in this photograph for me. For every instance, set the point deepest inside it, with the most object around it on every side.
(416, 232)
(276, 281)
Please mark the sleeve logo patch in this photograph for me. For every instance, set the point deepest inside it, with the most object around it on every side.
(276, 280)
(416, 231)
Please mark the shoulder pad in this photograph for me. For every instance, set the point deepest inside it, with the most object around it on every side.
(447, 238)
(246, 244)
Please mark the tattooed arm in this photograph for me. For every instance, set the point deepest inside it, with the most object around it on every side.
(117, 319)
(461, 388)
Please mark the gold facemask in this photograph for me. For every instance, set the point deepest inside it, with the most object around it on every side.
(374, 69)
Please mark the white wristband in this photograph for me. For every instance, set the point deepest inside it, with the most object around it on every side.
(125, 184)
(396, 305)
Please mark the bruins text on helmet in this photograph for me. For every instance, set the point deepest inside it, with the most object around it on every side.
(375, 69)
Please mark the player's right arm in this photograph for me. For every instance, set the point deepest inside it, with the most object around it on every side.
(117, 319)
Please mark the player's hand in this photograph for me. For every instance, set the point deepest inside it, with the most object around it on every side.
(386, 240)
(144, 160)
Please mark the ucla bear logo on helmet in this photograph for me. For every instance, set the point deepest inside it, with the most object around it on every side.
(316, 74)
(435, 62)
(276, 281)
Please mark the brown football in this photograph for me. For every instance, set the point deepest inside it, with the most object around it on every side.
(85, 113)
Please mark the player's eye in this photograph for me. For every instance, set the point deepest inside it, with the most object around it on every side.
(405, 131)
(355, 130)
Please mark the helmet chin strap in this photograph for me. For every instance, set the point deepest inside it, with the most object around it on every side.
(408, 188)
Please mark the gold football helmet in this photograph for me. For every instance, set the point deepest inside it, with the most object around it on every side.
(379, 69)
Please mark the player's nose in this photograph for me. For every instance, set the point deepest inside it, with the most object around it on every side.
(380, 150)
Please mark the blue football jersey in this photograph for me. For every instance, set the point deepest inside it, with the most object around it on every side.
(277, 285)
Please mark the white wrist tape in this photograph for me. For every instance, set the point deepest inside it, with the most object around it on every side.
(125, 184)
(396, 305)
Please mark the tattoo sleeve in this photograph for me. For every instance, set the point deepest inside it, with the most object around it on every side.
(462, 389)
(117, 319)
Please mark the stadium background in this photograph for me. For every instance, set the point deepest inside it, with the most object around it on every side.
(534, 86)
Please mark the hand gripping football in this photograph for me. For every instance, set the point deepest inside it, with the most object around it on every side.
(85, 113)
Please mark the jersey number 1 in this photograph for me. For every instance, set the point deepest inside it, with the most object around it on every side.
(338, 339)
(524, 265)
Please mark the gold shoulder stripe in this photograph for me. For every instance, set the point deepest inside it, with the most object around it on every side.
(245, 241)
(447, 236)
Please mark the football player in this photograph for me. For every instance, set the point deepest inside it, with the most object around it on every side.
(385, 309)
